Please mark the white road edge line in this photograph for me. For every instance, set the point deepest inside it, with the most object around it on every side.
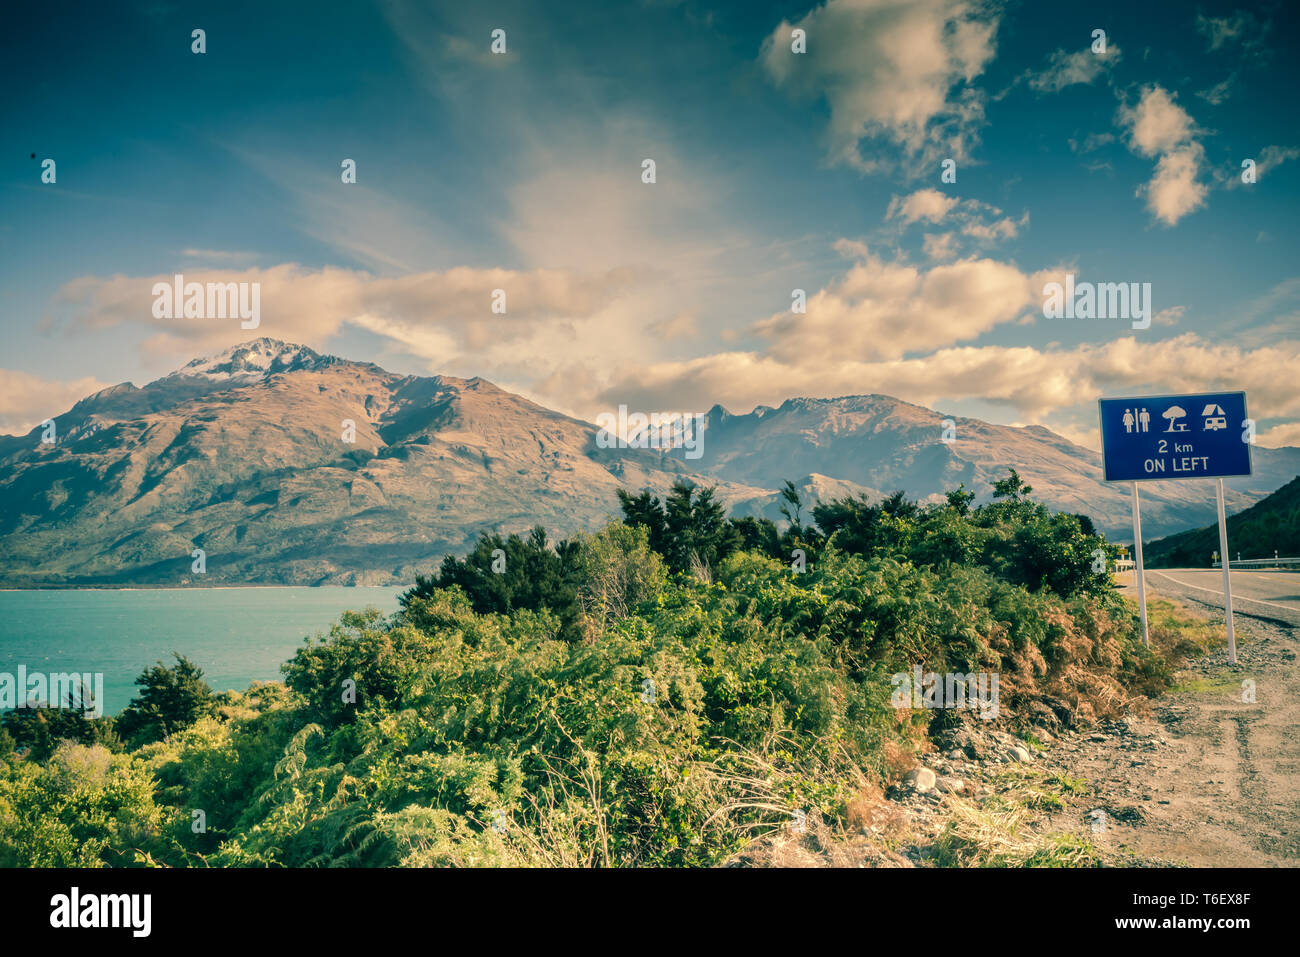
(1258, 601)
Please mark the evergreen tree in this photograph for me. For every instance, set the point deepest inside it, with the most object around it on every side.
(502, 575)
(170, 699)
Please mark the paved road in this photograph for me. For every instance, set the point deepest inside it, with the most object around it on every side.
(1266, 594)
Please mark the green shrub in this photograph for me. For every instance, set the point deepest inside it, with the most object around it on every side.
(658, 693)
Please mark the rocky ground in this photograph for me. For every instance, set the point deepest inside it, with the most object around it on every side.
(1197, 777)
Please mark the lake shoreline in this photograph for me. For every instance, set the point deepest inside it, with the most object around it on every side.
(6, 588)
(236, 633)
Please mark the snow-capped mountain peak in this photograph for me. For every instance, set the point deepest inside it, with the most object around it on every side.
(256, 358)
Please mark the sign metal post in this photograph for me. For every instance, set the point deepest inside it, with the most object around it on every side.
(1137, 567)
(1227, 577)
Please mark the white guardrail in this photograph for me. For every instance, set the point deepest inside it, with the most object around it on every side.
(1259, 562)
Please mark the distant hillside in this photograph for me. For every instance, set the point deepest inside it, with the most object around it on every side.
(879, 442)
(287, 466)
(243, 456)
(1271, 524)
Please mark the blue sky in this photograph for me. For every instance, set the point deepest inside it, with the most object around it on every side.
(775, 170)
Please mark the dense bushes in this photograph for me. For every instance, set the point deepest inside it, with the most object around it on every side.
(627, 698)
(1017, 540)
(83, 807)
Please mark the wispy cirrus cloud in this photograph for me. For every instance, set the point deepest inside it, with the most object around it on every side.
(1066, 68)
(1219, 93)
(1239, 29)
(1269, 158)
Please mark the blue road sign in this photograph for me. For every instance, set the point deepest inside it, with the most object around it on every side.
(1175, 437)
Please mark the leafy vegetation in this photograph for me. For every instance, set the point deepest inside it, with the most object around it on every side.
(658, 693)
(1270, 525)
(170, 699)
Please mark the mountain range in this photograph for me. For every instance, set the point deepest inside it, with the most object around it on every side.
(249, 456)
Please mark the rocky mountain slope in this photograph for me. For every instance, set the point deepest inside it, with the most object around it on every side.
(883, 443)
(244, 456)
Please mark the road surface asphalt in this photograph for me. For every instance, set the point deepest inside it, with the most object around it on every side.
(1263, 594)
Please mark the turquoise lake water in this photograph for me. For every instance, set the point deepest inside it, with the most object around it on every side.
(236, 635)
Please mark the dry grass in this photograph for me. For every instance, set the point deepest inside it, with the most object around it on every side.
(780, 833)
(870, 811)
(996, 834)
(818, 844)
(1178, 633)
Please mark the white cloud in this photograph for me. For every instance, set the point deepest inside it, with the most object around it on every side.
(999, 229)
(1267, 160)
(1091, 142)
(1158, 127)
(477, 52)
(940, 247)
(1067, 69)
(882, 309)
(906, 331)
(582, 204)
(364, 223)
(1169, 317)
(928, 204)
(1174, 190)
(442, 316)
(894, 71)
(680, 326)
(974, 220)
(1053, 385)
(1274, 156)
(1220, 92)
(1157, 124)
(1280, 435)
(26, 400)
